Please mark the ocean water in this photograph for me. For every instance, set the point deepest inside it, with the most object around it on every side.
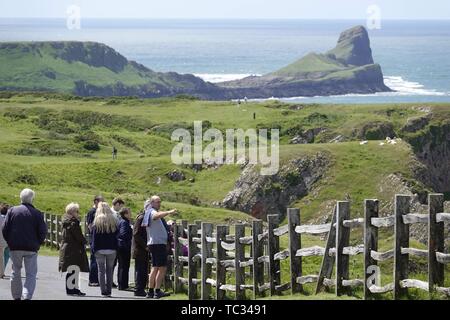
(414, 55)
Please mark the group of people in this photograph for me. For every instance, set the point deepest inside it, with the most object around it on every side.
(113, 240)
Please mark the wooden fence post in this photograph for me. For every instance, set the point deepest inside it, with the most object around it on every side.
(52, 230)
(274, 247)
(435, 241)
(326, 268)
(206, 253)
(58, 230)
(257, 251)
(294, 245)
(402, 207)
(239, 256)
(221, 271)
(342, 240)
(177, 253)
(192, 264)
(371, 208)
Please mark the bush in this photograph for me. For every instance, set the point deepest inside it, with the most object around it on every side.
(29, 179)
(91, 146)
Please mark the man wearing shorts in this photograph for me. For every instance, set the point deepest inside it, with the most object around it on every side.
(157, 239)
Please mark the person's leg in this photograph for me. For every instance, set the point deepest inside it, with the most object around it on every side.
(6, 256)
(16, 279)
(93, 270)
(31, 268)
(70, 291)
(160, 277)
(141, 274)
(2, 262)
(126, 268)
(120, 270)
(101, 266)
(152, 280)
(110, 259)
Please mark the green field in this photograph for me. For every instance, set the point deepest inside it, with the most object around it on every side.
(61, 147)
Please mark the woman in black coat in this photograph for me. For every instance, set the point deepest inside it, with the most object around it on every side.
(72, 252)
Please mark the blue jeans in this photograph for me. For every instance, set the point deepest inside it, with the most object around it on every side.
(6, 256)
(29, 258)
(105, 271)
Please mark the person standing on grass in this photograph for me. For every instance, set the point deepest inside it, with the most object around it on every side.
(157, 241)
(72, 250)
(104, 246)
(3, 244)
(93, 269)
(140, 256)
(124, 238)
(24, 231)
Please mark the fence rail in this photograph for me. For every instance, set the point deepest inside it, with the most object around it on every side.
(219, 264)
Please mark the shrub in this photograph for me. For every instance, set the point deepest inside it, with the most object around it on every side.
(91, 146)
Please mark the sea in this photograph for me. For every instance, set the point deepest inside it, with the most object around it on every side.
(414, 55)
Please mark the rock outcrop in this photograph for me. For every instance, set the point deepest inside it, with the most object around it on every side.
(260, 195)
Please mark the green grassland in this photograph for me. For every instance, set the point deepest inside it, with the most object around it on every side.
(61, 147)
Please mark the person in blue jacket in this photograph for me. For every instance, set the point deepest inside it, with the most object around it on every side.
(124, 238)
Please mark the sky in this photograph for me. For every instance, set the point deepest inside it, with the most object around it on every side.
(228, 9)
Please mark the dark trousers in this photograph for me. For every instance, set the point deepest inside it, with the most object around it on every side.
(70, 291)
(124, 256)
(141, 274)
(93, 270)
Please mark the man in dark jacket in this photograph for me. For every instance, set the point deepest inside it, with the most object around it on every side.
(93, 269)
(124, 236)
(140, 256)
(24, 231)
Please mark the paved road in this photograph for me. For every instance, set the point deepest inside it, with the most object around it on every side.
(51, 284)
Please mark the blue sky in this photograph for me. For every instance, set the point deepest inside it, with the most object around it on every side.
(251, 9)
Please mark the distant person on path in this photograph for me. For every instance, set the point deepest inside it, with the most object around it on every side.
(3, 244)
(157, 241)
(24, 230)
(104, 246)
(114, 153)
(90, 216)
(72, 250)
(124, 237)
(140, 256)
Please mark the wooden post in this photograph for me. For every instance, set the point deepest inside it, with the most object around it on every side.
(326, 268)
(58, 230)
(402, 206)
(52, 230)
(206, 253)
(294, 245)
(177, 253)
(435, 241)
(184, 225)
(371, 208)
(239, 256)
(192, 265)
(274, 247)
(257, 251)
(342, 240)
(221, 271)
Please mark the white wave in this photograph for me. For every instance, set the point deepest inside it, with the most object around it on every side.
(405, 87)
(219, 77)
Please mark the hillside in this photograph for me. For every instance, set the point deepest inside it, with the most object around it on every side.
(61, 146)
(94, 69)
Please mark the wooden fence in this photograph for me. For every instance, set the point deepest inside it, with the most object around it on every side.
(218, 263)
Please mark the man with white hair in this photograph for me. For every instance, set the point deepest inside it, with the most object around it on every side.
(24, 231)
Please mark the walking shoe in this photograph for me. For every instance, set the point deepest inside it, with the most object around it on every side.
(93, 284)
(114, 285)
(150, 294)
(76, 293)
(140, 294)
(160, 294)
